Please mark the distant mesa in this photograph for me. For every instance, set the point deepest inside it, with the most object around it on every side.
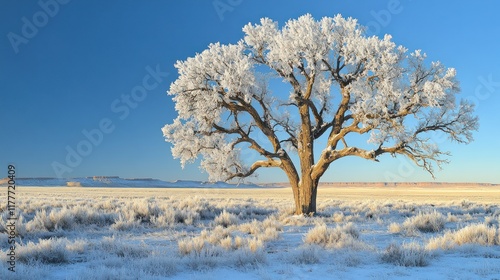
(103, 177)
(117, 182)
(74, 184)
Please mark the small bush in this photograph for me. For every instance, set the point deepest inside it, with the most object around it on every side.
(68, 219)
(215, 235)
(227, 243)
(123, 223)
(253, 227)
(255, 244)
(338, 237)
(121, 248)
(293, 220)
(266, 230)
(451, 218)
(306, 255)
(226, 219)
(207, 258)
(248, 258)
(164, 220)
(52, 251)
(89, 216)
(238, 242)
(394, 228)
(186, 216)
(320, 234)
(191, 246)
(338, 217)
(272, 222)
(473, 234)
(54, 220)
(219, 239)
(410, 254)
(426, 222)
(268, 235)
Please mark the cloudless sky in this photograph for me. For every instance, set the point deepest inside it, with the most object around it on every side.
(70, 67)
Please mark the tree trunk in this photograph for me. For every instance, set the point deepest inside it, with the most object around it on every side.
(305, 203)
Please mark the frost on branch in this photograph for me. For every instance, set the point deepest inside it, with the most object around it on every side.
(216, 75)
(220, 159)
(338, 82)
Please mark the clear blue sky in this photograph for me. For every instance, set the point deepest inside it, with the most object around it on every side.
(69, 67)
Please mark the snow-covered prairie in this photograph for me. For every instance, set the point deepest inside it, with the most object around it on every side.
(247, 233)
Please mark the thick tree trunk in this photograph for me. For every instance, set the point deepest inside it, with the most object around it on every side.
(305, 203)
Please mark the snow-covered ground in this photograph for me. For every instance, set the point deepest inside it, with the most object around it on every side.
(208, 233)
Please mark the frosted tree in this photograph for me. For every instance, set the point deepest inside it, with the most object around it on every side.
(335, 84)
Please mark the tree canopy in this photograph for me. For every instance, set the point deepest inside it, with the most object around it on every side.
(339, 83)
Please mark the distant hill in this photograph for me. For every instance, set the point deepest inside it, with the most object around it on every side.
(117, 182)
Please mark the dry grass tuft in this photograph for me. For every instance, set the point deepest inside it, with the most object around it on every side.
(411, 254)
(425, 222)
(226, 219)
(394, 228)
(338, 237)
(480, 234)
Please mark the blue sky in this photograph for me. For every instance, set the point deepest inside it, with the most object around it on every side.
(91, 76)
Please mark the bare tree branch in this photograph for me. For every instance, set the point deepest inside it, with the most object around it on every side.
(256, 165)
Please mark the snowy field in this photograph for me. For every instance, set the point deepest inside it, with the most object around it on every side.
(198, 233)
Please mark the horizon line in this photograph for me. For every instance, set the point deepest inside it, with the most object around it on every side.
(260, 183)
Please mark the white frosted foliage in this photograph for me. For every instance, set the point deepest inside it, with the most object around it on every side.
(348, 82)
